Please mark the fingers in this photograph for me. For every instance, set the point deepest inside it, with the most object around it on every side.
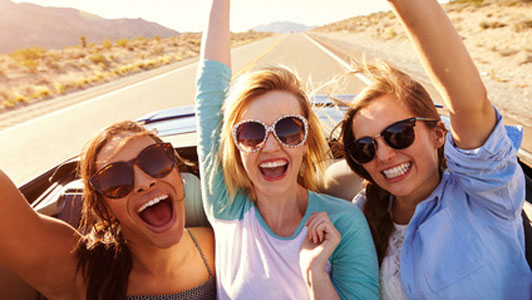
(320, 228)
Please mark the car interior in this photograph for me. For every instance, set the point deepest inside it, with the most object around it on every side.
(58, 193)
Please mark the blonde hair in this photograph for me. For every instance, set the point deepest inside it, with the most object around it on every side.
(248, 87)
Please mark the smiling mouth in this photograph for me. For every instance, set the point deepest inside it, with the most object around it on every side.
(397, 171)
(274, 168)
(157, 212)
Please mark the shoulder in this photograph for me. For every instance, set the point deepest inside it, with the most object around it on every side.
(203, 235)
(205, 238)
(340, 211)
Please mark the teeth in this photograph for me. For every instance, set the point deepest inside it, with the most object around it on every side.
(273, 164)
(152, 202)
(397, 171)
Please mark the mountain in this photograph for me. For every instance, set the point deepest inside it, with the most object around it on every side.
(282, 27)
(28, 25)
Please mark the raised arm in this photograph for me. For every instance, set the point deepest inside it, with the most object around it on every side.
(36, 247)
(450, 68)
(216, 39)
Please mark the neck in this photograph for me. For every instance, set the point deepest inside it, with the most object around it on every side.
(403, 210)
(404, 207)
(152, 260)
(283, 213)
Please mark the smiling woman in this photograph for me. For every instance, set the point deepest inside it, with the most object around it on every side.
(131, 242)
(276, 238)
(444, 208)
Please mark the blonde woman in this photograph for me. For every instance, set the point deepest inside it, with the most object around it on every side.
(275, 237)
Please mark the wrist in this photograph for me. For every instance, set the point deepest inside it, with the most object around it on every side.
(316, 274)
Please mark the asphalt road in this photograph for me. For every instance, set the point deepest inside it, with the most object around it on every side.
(32, 147)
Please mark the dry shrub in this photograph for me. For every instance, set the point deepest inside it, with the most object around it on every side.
(107, 44)
(491, 25)
(124, 43)
(527, 60)
(40, 92)
(523, 25)
(508, 52)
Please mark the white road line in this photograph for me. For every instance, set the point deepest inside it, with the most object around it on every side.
(97, 98)
(344, 64)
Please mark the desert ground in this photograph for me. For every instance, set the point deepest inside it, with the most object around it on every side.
(34, 75)
(497, 33)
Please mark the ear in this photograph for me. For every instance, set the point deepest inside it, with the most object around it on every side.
(438, 135)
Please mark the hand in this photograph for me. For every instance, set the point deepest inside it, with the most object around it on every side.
(322, 239)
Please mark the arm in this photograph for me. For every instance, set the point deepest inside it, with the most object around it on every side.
(214, 77)
(216, 39)
(36, 247)
(450, 68)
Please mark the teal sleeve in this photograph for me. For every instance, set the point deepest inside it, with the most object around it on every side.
(212, 84)
(355, 269)
(354, 262)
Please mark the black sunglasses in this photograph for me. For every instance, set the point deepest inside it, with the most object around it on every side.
(398, 135)
(116, 180)
(290, 130)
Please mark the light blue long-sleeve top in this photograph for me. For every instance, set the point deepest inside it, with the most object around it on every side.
(466, 240)
(252, 262)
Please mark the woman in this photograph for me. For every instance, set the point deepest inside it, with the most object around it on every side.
(131, 240)
(275, 237)
(439, 234)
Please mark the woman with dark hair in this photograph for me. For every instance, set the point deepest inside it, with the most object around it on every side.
(131, 242)
(440, 233)
(260, 148)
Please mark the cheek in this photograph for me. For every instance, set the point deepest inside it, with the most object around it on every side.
(118, 209)
(371, 169)
(247, 161)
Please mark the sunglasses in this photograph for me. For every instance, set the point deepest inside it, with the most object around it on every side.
(116, 180)
(290, 130)
(398, 135)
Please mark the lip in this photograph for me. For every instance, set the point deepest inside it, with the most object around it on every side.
(270, 178)
(398, 178)
(165, 227)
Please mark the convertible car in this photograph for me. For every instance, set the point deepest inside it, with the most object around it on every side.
(58, 191)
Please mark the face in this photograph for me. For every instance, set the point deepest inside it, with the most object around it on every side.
(153, 212)
(273, 169)
(411, 173)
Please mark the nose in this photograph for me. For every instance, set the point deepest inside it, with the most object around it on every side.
(143, 181)
(271, 143)
(384, 152)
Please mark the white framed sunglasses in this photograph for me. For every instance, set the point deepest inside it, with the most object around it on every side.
(290, 130)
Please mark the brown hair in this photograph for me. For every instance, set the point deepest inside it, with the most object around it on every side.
(104, 259)
(386, 80)
(248, 87)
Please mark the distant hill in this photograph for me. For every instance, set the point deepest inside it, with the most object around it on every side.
(28, 25)
(282, 27)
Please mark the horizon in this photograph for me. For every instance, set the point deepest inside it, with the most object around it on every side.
(194, 18)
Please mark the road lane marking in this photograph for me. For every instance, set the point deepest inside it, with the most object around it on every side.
(344, 64)
(252, 63)
(96, 98)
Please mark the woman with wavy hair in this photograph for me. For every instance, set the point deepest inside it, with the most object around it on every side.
(131, 243)
(440, 233)
(260, 148)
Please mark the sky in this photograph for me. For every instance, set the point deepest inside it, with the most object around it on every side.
(191, 15)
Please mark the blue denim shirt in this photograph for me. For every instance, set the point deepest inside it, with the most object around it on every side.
(466, 240)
